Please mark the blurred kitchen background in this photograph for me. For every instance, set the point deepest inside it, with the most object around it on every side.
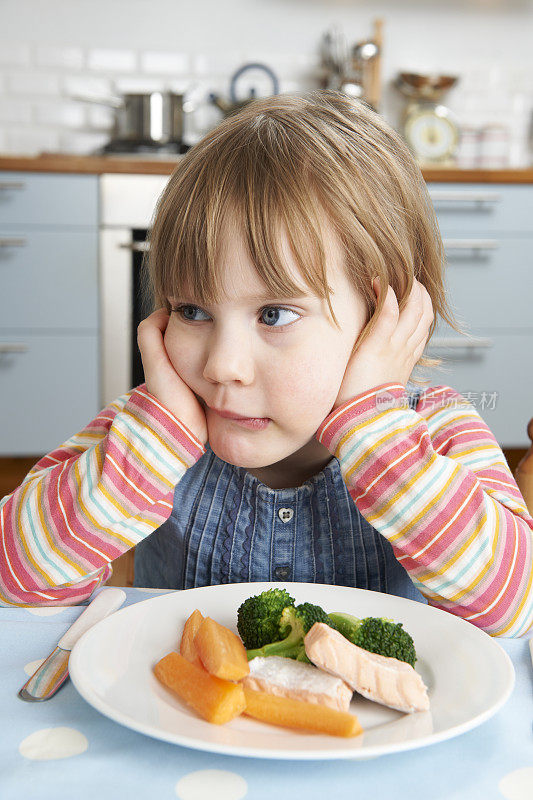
(99, 100)
(52, 52)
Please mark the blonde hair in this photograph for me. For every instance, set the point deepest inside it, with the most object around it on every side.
(276, 166)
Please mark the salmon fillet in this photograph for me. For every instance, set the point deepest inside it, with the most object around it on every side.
(385, 680)
(288, 678)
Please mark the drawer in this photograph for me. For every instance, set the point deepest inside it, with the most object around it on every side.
(498, 381)
(129, 200)
(49, 279)
(31, 198)
(482, 207)
(49, 390)
(489, 280)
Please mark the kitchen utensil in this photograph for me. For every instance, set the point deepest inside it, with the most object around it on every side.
(149, 118)
(237, 85)
(53, 672)
(353, 71)
(335, 60)
(468, 674)
(363, 53)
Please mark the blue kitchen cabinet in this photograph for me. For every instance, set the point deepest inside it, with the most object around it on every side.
(49, 388)
(49, 316)
(487, 230)
(47, 199)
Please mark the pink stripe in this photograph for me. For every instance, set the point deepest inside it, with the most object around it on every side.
(464, 501)
(356, 407)
(179, 431)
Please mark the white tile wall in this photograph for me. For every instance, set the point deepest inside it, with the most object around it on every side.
(32, 83)
(165, 63)
(119, 48)
(111, 60)
(67, 58)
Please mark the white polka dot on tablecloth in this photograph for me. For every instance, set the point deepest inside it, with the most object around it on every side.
(48, 744)
(208, 783)
(47, 611)
(33, 666)
(517, 785)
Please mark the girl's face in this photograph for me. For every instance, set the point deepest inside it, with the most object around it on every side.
(260, 356)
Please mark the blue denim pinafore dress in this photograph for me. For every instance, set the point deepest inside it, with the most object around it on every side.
(226, 526)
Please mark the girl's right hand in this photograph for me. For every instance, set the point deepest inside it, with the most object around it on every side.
(162, 380)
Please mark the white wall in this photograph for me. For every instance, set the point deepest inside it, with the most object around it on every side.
(54, 49)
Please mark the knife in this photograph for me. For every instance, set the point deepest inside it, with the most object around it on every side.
(53, 672)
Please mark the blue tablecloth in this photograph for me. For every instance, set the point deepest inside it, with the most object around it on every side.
(63, 748)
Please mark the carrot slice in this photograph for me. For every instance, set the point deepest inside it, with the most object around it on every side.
(221, 651)
(212, 698)
(190, 629)
(291, 713)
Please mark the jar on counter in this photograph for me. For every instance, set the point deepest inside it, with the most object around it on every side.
(494, 146)
(467, 155)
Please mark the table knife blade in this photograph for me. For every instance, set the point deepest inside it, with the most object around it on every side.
(53, 672)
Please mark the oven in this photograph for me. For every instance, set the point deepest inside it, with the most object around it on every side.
(127, 204)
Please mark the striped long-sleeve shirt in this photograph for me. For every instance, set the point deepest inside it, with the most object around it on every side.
(434, 482)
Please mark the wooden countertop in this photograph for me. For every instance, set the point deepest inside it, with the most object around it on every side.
(97, 165)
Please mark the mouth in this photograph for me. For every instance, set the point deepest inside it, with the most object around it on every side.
(251, 422)
(232, 414)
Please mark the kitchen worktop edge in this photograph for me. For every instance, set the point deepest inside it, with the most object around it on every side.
(98, 165)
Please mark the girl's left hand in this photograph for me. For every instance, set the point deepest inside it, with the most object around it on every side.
(391, 351)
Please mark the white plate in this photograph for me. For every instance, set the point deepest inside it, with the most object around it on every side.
(468, 675)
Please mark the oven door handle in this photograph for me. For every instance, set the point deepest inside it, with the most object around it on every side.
(137, 247)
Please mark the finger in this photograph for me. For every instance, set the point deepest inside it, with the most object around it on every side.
(427, 314)
(157, 321)
(387, 318)
(150, 340)
(429, 310)
(418, 352)
(412, 313)
(418, 340)
(159, 318)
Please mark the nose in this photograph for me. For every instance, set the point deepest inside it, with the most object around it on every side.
(229, 357)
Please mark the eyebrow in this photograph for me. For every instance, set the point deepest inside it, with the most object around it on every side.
(267, 296)
(261, 298)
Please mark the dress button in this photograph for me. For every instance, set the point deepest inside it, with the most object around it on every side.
(282, 573)
(286, 514)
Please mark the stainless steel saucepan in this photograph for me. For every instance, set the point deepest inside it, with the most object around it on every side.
(150, 118)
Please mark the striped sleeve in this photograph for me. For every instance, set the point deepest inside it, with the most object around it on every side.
(435, 483)
(84, 504)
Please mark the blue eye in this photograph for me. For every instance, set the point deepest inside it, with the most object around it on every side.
(270, 314)
(185, 310)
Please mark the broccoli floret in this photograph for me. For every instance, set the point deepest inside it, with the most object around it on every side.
(345, 624)
(294, 623)
(377, 635)
(259, 616)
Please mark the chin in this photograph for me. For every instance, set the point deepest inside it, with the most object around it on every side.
(242, 450)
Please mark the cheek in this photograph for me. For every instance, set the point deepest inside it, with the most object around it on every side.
(181, 352)
(313, 380)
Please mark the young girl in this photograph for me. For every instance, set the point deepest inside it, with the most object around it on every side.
(297, 271)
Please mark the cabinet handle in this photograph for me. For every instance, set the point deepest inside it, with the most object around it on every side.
(444, 343)
(13, 347)
(471, 244)
(5, 242)
(465, 197)
(6, 185)
(137, 247)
